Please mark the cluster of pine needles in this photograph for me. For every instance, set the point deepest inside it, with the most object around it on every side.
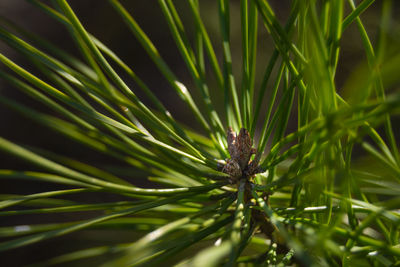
(271, 179)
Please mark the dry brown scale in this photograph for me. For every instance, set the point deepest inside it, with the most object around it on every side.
(240, 148)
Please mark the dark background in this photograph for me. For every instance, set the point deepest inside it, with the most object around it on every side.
(102, 21)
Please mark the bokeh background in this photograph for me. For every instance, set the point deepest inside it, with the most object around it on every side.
(103, 22)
